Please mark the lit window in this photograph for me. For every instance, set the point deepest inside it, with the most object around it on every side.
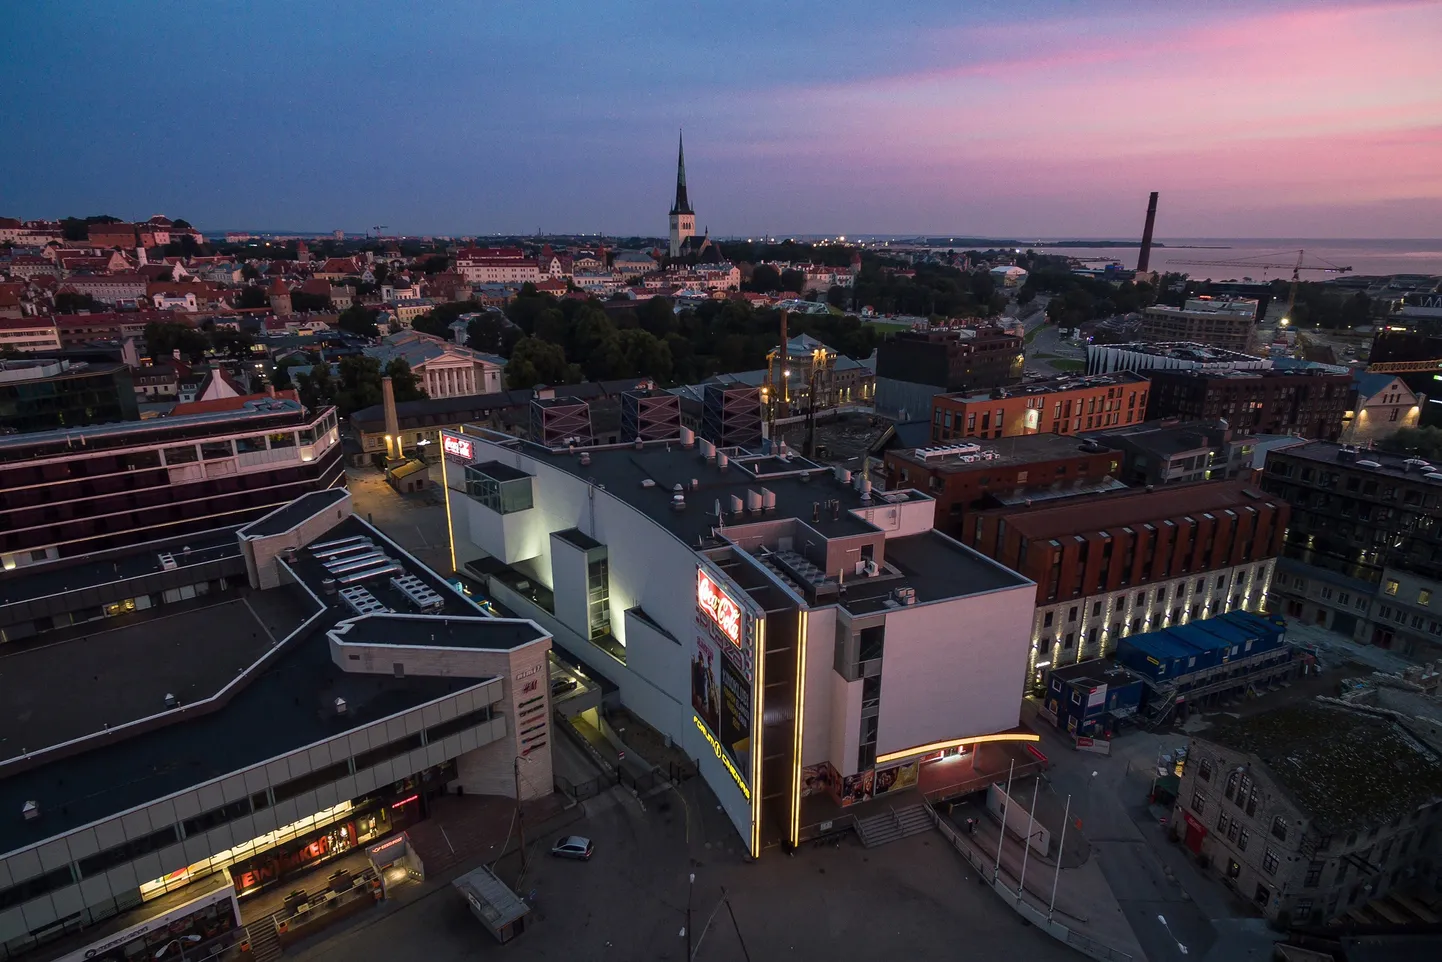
(1424, 597)
(1392, 587)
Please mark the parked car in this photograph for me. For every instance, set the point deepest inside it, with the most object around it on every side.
(559, 686)
(573, 846)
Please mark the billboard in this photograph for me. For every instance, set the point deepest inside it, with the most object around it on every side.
(457, 447)
(721, 676)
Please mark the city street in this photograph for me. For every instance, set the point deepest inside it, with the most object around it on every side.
(629, 902)
(1151, 877)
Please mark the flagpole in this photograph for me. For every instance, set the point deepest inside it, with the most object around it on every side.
(1026, 842)
(1064, 819)
(1006, 800)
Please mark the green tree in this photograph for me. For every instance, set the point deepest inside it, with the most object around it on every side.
(69, 302)
(1417, 442)
(183, 224)
(249, 272)
(642, 355)
(233, 344)
(252, 297)
(1025, 296)
(838, 296)
(657, 316)
(793, 280)
(404, 382)
(164, 339)
(359, 320)
(302, 301)
(765, 279)
(491, 332)
(318, 387)
(534, 361)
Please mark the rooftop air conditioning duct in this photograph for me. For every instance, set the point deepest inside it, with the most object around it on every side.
(843, 475)
(708, 450)
(722, 461)
(768, 499)
(753, 501)
(340, 706)
(736, 504)
(30, 810)
(678, 501)
(688, 437)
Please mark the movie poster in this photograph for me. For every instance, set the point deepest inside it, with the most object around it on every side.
(896, 779)
(819, 779)
(720, 691)
(857, 788)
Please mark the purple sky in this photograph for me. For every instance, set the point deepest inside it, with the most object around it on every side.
(1029, 119)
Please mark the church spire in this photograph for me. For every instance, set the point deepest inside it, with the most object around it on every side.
(682, 204)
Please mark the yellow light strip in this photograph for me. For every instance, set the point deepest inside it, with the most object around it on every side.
(446, 484)
(758, 689)
(956, 743)
(725, 760)
(801, 630)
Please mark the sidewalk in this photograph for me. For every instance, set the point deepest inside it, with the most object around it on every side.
(1084, 901)
(465, 830)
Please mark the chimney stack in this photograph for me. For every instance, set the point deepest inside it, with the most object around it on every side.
(393, 429)
(1144, 256)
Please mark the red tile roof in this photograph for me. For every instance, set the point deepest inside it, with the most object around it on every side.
(227, 403)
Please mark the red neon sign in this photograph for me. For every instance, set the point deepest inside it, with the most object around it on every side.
(722, 610)
(460, 447)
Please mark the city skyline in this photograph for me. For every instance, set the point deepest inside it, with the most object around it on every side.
(1023, 120)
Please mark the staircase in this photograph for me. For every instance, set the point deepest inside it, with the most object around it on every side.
(893, 824)
(264, 941)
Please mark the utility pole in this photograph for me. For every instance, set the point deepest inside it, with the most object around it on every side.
(520, 814)
(690, 887)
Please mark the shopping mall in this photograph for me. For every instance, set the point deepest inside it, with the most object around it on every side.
(813, 643)
(253, 703)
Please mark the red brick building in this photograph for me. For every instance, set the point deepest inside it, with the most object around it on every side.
(1136, 560)
(964, 481)
(1059, 405)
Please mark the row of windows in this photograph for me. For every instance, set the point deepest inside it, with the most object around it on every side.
(157, 840)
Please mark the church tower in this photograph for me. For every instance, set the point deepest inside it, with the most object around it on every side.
(683, 218)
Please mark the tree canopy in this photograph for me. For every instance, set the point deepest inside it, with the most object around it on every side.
(358, 385)
(359, 320)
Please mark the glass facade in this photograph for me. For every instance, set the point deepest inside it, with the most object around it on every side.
(88, 394)
(502, 496)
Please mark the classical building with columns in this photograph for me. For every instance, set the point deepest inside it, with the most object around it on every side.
(445, 369)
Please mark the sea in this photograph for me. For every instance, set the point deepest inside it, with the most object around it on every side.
(1364, 257)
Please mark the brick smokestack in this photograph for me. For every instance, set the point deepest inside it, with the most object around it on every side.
(1144, 257)
(393, 429)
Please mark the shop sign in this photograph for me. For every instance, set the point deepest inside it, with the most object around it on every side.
(527, 672)
(459, 447)
(721, 754)
(723, 612)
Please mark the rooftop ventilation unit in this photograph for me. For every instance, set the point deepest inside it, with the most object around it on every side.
(30, 810)
(362, 602)
(171, 701)
(345, 551)
(347, 565)
(946, 450)
(370, 573)
(167, 561)
(340, 706)
(1433, 476)
(420, 594)
(338, 543)
(1369, 464)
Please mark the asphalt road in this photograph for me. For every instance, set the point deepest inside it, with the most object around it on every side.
(629, 902)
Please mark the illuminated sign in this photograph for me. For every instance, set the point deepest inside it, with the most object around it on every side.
(723, 612)
(460, 447)
(725, 760)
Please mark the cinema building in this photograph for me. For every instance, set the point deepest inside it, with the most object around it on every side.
(813, 643)
(253, 703)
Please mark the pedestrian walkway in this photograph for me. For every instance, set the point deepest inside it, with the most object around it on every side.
(1084, 902)
(465, 830)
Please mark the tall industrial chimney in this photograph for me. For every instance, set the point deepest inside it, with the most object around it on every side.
(1144, 256)
(393, 427)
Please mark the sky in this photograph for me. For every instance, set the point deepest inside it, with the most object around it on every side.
(1026, 119)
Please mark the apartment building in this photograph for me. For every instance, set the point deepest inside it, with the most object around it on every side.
(964, 477)
(1134, 560)
(74, 491)
(1060, 405)
(1227, 322)
(914, 366)
(1310, 811)
(497, 265)
(1310, 403)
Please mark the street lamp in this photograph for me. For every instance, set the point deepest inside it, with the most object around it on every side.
(1163, 919)
(179, 942)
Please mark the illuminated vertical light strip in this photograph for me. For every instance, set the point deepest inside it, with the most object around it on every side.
(758, 687)
(803, 626)
(450, 527)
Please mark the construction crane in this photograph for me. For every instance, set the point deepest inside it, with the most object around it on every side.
(1274, 262)
(378, 228)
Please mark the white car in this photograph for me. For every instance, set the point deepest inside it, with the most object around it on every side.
(573, 846)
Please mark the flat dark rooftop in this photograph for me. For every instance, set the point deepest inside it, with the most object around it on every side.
(282, 708)
(60, 577)
(118, 676)
(1028, 449)
(622, 470)
(499, 471)
(1098, 671)
(579, 538)
(936, 567)
(1392, 465)
(477, 631)
(283, 519)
